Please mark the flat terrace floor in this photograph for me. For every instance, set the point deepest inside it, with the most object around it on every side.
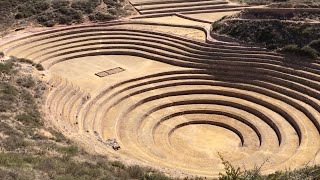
(81, 71)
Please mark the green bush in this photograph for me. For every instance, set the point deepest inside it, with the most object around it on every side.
(56, 4)
(22, 60)
(51, 12)
(111, 3)
(39, 67)
(27, 98)
(135, 172)
(26, 82)
(29, 119)
(6, 174)
(291, 48)
(6, 129)
(273, 33)
(64, 19)
(309, 52)
(70, 150)
(306, 51)
(6, 107)
(68, 15)
(11, 160)
(118, 164)
(42, 5)
(216, 25)
(8, 98)
(86, 6)
(32, 8)
(6, 67)
(47, 19)
(315, 44)
(13, 142)
(8, 89)
(231, 172)
(101, 17)
(156, 176)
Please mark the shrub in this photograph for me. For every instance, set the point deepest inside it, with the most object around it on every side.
(315, 45)
(5, 106)
(7, 129)
(309, 52)
(47, 19)
(230, 171)
(11, 160)
(25, 11)
(8, 98)
(22, 60)
(39, 67)
(216, 25)
(56, 4)
(118, 164)
(68, 15)
(272, 33)
(28, 99)
(13, 142)
(135, 172)
(6, 174)
(113, 11)
(70, 151)
(8, 89)
(156, 176)
(59, 137)
(111, 3)
(32, 8)
(30, 118)
(64, 19)
(101, 17)
(26, 82)
(6, 67)
(86, 6)
(306, 51)
(291, 48)
(1, 54)
(42, 5)
(48, 164)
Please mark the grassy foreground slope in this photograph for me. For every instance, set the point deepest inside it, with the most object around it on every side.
(31, 149)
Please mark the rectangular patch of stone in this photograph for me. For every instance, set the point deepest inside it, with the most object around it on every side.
(109, 72)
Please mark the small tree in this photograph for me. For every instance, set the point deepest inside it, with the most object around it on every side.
(231, 172)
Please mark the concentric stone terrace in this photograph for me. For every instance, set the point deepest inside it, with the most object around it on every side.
(178, 101)
(167, 7)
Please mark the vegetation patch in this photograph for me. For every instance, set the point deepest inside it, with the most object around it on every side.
(236, 173)
(306, 51)
(284, 3)
(290, 37)
(274, 13)
(21, 13)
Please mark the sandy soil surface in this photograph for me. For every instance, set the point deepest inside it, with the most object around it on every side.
(82, 71)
